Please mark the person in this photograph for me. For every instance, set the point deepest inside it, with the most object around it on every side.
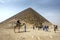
(24, 27)
(33, 27)
(44, 28)
(55, 28)
(18, 23)
(47, 27)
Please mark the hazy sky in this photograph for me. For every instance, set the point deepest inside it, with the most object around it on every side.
(50, 9)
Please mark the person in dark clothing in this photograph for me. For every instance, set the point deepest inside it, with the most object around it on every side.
(55, 28)
(45, 28)
(18, 23)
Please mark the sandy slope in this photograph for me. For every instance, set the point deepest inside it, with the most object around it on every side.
(8, 34)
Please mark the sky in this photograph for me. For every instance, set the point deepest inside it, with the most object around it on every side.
(50, 9)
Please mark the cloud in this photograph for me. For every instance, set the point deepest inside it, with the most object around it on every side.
(1, 1)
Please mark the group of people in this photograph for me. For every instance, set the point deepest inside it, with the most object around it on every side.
(45, 28)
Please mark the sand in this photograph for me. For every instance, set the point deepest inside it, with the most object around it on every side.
(9, 34)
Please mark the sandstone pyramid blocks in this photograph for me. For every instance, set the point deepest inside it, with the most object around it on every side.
(28, 16)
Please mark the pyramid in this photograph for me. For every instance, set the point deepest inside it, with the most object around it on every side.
(28, 16)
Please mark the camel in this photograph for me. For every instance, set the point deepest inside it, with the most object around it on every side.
(18, 25)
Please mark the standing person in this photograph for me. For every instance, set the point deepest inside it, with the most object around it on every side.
(55, 28)
(47, 27)
(24, 27)
(44, 28)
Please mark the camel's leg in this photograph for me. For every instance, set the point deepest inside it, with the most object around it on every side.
(15, 28)
(19, 29)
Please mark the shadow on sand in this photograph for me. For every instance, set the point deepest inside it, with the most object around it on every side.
(22, 31)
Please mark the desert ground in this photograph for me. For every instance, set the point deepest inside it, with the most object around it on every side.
(9, 34)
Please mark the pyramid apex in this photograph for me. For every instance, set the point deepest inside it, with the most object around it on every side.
(30, 8)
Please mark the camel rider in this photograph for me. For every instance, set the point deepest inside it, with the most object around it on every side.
(18, 23)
